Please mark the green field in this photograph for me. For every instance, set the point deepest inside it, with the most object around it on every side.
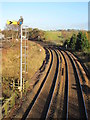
(58, 37)
(52, 35)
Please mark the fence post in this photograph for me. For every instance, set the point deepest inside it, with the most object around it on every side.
(6, 108)
(12, 100)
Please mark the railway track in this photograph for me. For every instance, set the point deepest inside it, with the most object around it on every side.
(84, 81)
(59, 93)
(59, 103)
(26, 106)
(40, 108)
(76, 104)
(56, 83)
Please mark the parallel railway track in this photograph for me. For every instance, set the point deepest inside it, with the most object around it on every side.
(59, 93)
(84, 83)
(41, 105)
(23, 112)
(39, 90)
(59, 103)
(75, 91)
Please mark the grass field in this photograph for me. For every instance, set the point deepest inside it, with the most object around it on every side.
(58, 37)
(11, 62)
(53, 36)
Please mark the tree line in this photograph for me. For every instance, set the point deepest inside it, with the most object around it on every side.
(14, 33)
(36, 34)
(77, 42)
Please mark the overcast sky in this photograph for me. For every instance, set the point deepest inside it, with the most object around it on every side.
(47, 16)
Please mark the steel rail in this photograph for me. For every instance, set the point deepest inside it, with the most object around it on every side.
(37, 94)
(84, 111)
(57, 69)
(66, 89)
(48, 93)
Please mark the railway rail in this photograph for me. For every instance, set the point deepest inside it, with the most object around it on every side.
(84, 83)
(41, 105)
(75, 91)
(59, 103)
(59, 94)
(22, 113)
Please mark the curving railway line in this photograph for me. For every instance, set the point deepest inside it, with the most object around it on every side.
(76, 104)
(59, 93)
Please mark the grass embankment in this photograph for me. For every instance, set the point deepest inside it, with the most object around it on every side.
(85, 57)
(11, 63)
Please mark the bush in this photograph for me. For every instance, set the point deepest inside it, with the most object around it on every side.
(72, 43)
(82, 42)
(66, 43)
(37, 34)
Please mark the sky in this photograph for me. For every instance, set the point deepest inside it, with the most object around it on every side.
(48, 15)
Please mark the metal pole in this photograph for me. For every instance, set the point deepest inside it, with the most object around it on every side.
(25, 54)
(1, 79)
(21, 63)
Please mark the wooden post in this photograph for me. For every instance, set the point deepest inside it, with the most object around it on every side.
(6, 108)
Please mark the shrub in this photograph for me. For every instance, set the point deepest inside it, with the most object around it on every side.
(66, 43)
(72, 43)
(82, 42)
(79, 42)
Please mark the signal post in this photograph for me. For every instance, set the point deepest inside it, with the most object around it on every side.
(20, 23)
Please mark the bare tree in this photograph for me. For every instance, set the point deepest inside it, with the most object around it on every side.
(14, 29)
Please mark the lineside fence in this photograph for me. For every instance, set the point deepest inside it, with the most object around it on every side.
(9, 103)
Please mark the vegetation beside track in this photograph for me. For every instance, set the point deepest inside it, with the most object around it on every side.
(85, 58)
(79, 44)
(11, 63)
(11, 52)
(69, 37)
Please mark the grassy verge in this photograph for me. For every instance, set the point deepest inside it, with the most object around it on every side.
(85, 57)
(11, 63)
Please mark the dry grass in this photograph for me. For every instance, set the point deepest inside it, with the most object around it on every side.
(11, 62)
(85, 57)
